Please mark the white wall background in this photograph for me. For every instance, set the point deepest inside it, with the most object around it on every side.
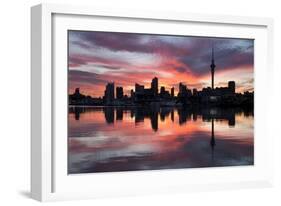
(15, 101)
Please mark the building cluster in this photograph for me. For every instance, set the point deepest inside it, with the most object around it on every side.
(114, 96)
(220, 96)
(138, 95)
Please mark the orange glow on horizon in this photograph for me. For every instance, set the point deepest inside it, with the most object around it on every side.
(221, 80)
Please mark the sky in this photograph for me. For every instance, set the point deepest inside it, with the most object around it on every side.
(96, 58)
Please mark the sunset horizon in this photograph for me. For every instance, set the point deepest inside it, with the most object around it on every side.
(153, 101)
(97, 58)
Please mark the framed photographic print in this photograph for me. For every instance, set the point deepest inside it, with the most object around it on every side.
(134, 102)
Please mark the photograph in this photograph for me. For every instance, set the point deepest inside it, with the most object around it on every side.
(140, 101)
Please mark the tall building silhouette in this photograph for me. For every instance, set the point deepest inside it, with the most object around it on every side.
(154, 86)
(182, 88)
(162, 90)
(184, 91)
(213, 67)
(119, 92)
(172, 92)
(109, 93)
(139, 88)
(231, 86)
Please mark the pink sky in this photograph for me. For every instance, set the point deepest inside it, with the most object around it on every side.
(96, 58)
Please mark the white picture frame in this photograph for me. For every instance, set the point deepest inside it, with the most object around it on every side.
(49, 180)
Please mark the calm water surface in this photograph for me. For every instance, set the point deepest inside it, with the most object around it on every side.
(107, 139)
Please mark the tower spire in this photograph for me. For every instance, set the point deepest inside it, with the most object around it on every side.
(213, 60)
(213, 66)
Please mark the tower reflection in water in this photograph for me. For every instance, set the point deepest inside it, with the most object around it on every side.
(105, 139)
(139, 114)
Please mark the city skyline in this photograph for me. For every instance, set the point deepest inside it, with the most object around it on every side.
(146, 102)
(117, 92)
(96, 58)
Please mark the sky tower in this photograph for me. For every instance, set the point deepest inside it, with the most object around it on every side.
(213, 67)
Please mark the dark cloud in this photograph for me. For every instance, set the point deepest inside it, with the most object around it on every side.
(180, 69)
(80, 60)
(111, 67)
(77, 60)
(130, 42)
(76, 76)
(228, 54)
(194, 53)
(113, 41)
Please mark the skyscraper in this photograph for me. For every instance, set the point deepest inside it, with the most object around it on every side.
(139, 88)
(119, 92)
(154, 86)
(213, 67)
(109, 93)
(162, 90)
(182, 89)
(231, 86)
(172, 92)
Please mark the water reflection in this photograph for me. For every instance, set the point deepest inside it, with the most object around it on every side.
(105, 139)
(112, 114)
(213, 141)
